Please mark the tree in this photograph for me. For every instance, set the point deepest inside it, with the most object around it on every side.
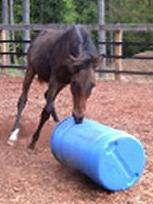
(88, 11)
(26, 20)
(12, 33)
(5, 12)
(69, 12)
(41, 11)
(5, 34)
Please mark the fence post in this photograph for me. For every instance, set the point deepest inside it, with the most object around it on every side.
(101, 31)
(0, 46)
(4, 47)
(118, 52)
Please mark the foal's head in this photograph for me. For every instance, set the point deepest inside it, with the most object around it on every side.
(82, 84)
(82, 60)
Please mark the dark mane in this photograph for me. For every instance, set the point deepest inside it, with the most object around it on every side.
(69, 44)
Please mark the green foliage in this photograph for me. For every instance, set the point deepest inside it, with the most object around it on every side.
(52, 11)
(87, 11)
(15, 72)
(64, 11)
(129, 11)
(144, 37)
(17, 11)
(69, 12)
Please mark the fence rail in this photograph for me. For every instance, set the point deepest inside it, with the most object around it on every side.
(93, 27)
(15, 41)
(13, 66)
(105, 56)
(129, 72)
(38, 27)
(133, 72)
(118, 30)
(125, 57)
(129, 43)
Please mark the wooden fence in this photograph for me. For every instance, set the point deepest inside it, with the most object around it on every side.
(117, 29)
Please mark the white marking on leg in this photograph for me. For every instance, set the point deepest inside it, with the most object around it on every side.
(13, 137)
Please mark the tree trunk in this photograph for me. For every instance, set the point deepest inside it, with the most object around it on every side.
(111, 37)
(101, 33)
(5, 33)
(12, 33)
(101, 20)
(5, 12)
(41, 11)
(26, 20)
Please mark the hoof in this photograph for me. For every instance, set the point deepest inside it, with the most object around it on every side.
(31, 146)
(13, 137)
(78, 120)
(11, 142)
(29, 150)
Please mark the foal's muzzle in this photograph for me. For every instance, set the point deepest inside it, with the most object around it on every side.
(77, 119)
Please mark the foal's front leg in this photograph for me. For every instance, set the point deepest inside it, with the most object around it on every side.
(21, 104)
(48, 110)
(43, 118)
(53, 111)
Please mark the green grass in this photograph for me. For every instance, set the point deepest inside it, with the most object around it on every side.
(13, 72)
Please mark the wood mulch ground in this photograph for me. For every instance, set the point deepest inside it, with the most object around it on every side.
(32, 178)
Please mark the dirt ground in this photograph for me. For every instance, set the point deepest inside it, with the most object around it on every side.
(32, 178)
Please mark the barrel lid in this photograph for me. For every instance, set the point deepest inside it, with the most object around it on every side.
(122, 163)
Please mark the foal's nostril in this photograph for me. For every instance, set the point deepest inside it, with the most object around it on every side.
(77, 119)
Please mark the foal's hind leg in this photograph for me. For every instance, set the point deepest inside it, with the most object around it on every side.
(48, 110)
(20, 106)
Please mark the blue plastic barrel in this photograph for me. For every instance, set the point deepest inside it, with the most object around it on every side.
(112, 158)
